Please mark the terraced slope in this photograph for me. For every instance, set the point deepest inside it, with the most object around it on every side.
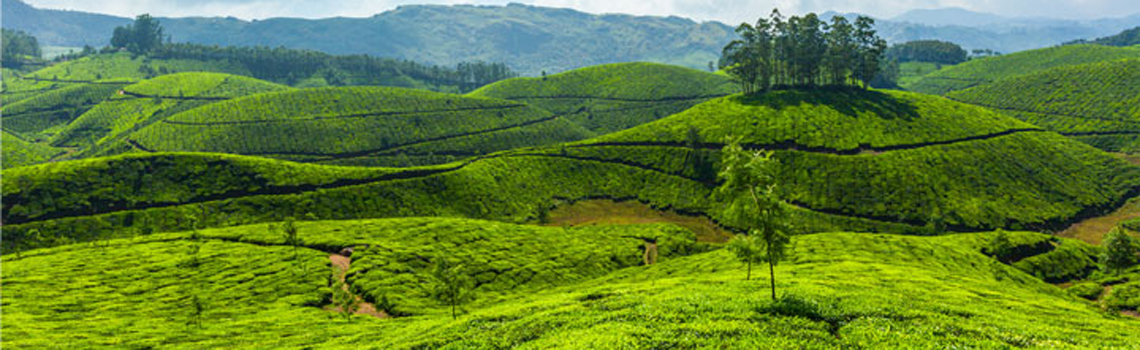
(1096, 103)
(16, 151)
(986, 70)
(50, 110)
(138, 105)
(919, 164)
(614, 97)
(895, 156)
(238, 288)
(358, 125)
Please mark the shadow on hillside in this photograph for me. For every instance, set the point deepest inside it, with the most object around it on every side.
(848, 101)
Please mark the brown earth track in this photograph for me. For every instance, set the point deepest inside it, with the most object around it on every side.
(341, 264)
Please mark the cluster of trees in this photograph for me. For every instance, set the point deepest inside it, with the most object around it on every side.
(804, 52)
(140, 37)
(928, 51)
(983, 53)
(19, 48)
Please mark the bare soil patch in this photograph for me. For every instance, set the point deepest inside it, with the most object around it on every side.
(1092, 230)
(342, 263)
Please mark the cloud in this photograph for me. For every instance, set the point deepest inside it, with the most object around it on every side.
(730, 11)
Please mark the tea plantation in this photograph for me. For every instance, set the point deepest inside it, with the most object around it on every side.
(614, 97)
(1097, 103)
(989, 69)
(241, 288)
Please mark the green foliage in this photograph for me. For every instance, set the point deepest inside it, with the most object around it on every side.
(54, 108)
(932, 51)
(1120, 251)
(451, 285)
(1000, 247)
(803, 51)
(108, 124)
(1065, 260)
(614, 97)
(842, 290)
(328, 123)
(1124, 297)
(140, 37)
(990, 69)
(1087, 290)
(912, 72)
(748, 186)
(20, 152)
(1129, 37)
(747, 249)
(838, 120)
(1094, 98)
(19, 48)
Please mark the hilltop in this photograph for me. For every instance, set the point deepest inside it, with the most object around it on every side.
(1097, 103)
(989, 69)
(614, 97)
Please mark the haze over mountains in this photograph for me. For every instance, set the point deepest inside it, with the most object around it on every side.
(535, 39)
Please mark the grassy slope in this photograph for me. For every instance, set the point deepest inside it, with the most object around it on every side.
(990, 69)
(1099, 102)
(912, 72)
(334, 123)
(151, 101)
(837, 290)
(931, 169)
(20, 152)
(614, 97)
(53, 109)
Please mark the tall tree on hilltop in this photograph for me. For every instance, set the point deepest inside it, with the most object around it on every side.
(749, 189)
(871, 50)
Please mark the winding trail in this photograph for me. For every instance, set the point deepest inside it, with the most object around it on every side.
(342, 263)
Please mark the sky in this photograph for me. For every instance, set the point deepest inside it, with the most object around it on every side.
(728, 11)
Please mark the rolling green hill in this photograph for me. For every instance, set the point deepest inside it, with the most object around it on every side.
(985, 70)
(17, 151)
(52, 109)
(913, 164)
(360, 125)
(553, 288)
(153, 100)
(1097, 103)
(614, 97)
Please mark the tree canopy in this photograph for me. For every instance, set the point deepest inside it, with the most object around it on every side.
(804, 52)
(19, 48)
(140, 37)
(928, 51)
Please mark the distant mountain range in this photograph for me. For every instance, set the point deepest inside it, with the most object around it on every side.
(535, 39)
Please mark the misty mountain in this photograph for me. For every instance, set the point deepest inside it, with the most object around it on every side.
(534, 39)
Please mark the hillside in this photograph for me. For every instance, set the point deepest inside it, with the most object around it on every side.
(1097, 103)
(1130, 37)
(359, 125)
(55, 107)
(614, 97)
(922, 165)
(150, 101)
(553, 288)
(17, 151)
(989, 69)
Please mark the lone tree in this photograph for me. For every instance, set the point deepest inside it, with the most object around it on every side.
(749, 190)
(1120, 251)
(451, 287)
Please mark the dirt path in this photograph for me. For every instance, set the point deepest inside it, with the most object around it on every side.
(342, 263)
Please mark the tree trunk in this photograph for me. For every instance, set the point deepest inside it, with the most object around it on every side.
(772, 275)
(749, 277)
(453, 310)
